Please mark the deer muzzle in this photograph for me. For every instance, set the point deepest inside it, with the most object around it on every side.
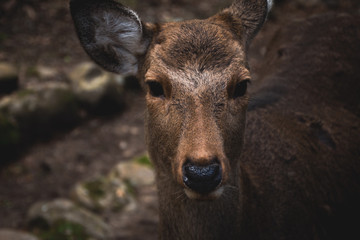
(202, 179)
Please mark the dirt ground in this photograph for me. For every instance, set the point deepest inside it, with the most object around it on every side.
(34, 32)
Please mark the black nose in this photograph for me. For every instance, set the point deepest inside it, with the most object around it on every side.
(202, 179)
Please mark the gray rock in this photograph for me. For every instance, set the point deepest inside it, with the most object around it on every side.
(117, 190)
(45, 72)
(9, 78)
(8, 234)
(91, 84)
(62, 209)
(138, 175)
(102, 193)
(40, 72)
(45, 106)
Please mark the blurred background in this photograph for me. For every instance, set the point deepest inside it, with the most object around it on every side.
(73, 161)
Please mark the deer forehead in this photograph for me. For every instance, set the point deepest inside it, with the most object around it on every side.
(196, 55)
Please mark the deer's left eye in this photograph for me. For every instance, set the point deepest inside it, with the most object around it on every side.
(240, 89)
(156, 89)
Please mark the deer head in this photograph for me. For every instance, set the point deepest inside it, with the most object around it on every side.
(195, 74)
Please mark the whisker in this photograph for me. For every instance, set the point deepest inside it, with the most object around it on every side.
(181, 197)
(178, 192)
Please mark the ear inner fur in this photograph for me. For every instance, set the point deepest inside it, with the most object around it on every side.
(112, 34)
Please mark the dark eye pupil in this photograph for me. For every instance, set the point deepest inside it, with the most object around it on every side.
(156, 89)
(240, 89)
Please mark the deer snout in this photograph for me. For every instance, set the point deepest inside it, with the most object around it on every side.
(202, 179)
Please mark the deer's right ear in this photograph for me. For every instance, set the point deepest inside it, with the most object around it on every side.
(112, 34)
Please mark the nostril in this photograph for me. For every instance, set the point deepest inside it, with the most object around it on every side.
(202, 179)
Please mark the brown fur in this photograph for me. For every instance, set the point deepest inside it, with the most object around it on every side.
(291, 164)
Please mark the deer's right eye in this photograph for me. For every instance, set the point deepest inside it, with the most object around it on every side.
(240, 89)
(156, 89)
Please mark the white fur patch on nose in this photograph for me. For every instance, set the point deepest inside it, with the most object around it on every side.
(270, 4)
(211, 196)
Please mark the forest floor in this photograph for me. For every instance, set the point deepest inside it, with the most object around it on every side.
(40, 32)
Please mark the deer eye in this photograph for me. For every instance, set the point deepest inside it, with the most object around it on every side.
(240, 88)
(156, 89)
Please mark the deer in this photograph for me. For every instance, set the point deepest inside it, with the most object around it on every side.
(280, 160)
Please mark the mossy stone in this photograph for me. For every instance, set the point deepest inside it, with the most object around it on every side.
(63, 230)
(9, 132)
(96, 188)
(144, 160)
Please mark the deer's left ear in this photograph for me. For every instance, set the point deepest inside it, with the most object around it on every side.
(244, 18)
(111, 34)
